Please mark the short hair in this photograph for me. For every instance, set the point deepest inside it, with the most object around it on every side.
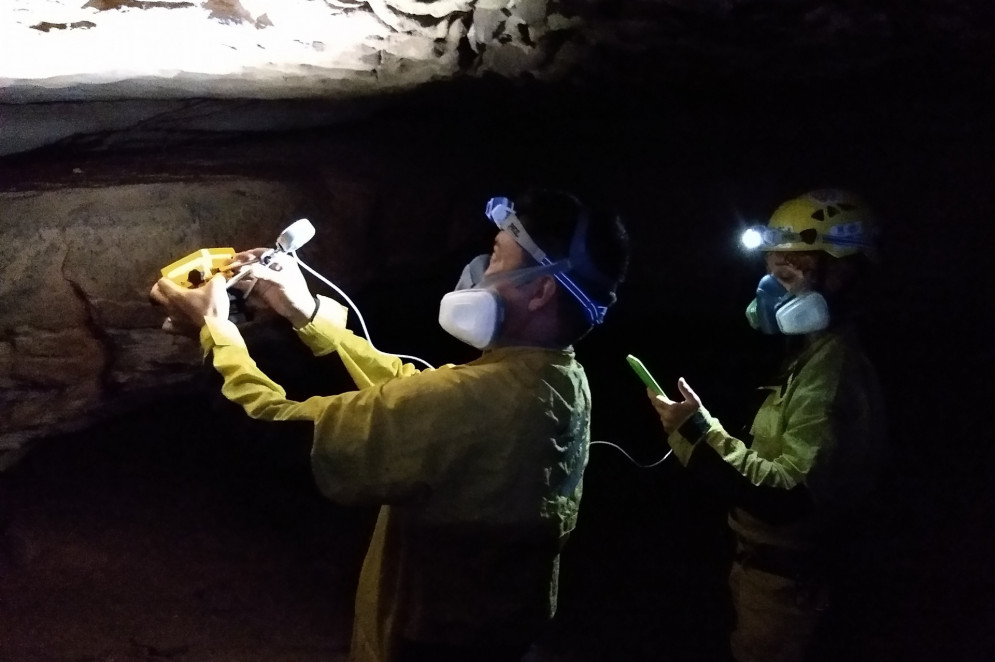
(551, 218)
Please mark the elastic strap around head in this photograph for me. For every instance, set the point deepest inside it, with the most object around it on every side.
(502, 213)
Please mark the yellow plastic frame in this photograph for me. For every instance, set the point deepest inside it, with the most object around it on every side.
(206, 261)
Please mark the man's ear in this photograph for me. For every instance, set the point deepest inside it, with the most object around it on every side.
(545, 290)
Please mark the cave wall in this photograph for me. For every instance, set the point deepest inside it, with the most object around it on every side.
(77, 267)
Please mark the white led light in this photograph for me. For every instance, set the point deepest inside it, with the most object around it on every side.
(752, 238)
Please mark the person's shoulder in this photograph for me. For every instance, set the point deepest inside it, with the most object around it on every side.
(526, 365)
(842, 362)
(846, 347)
(841, 344)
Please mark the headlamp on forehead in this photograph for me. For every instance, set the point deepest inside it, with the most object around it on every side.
(501, 211)
(752, 238)
(767, 239)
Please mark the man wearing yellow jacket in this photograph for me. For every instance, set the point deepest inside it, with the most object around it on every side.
(817, 439)
(479, 466)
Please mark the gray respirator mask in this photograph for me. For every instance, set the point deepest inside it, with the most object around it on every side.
(775, 310)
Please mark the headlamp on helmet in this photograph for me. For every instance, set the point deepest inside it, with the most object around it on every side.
(785, 238)
(830, 220)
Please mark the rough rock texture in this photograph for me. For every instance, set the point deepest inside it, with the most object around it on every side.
(351, 48)
(297, 48)
(362, 54)
(76, 268)
(79, 339)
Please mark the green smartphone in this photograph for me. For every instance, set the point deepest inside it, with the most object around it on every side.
(644, 374)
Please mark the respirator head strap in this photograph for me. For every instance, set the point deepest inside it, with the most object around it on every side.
(501, 212)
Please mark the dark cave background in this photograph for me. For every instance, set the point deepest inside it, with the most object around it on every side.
(183, 531)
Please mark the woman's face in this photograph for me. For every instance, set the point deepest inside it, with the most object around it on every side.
(793, 270)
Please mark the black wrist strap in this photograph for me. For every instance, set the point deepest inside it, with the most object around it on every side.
(694, 428)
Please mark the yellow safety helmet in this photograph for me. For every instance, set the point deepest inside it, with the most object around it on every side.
(837, 222)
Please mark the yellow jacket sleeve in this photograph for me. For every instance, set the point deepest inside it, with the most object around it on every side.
(262, 398)
(354, 428)
(408, 434)
(244, 383)
(326, 333)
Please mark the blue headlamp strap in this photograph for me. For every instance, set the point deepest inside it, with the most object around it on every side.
(502, 212)
(850, 235)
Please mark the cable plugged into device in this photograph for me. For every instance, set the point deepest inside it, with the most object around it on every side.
(199, 267)
(292, 238)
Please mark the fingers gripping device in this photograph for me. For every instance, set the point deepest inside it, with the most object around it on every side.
(202, 265)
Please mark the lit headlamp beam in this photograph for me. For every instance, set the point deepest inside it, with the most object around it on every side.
(752, 238)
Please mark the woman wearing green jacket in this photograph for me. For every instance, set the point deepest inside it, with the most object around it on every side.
(817, 438)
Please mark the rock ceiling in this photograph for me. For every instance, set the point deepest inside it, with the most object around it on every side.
(79, 49)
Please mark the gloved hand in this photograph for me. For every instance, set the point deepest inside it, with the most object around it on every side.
(280, 284)
(187, 309)
(673, 414)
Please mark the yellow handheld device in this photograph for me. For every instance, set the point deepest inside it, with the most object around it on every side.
(644, 374)
(199, 267)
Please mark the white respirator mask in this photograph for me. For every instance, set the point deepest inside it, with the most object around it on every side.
(469, 313)
(474, 311)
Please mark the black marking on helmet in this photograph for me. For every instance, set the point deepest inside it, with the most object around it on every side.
(832, 211)
(819, 215)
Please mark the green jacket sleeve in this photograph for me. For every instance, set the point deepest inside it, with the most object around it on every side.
(806, 432)
(813, 438)
(782, 498)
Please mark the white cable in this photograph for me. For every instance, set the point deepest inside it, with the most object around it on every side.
(622, 451)
(362, 322)
(366, 334)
